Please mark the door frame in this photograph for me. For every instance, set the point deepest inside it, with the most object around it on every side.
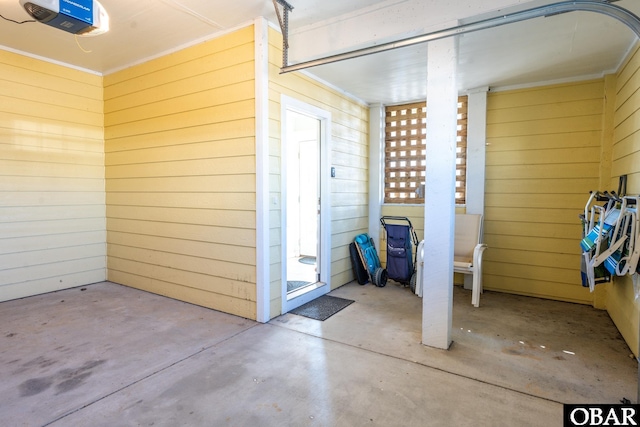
(288, 103)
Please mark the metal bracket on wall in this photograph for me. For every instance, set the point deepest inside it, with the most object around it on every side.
(283, 19)
(599, 6)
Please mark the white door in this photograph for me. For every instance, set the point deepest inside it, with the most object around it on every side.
(309, 209)
(305, 230)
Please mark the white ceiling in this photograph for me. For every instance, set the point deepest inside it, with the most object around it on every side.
(568, 46)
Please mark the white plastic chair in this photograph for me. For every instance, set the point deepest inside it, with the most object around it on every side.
(467, 259)
(467, 251)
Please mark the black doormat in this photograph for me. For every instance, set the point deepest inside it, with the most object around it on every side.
(322, 308)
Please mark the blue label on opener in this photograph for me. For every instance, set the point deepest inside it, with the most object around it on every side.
(78, 9)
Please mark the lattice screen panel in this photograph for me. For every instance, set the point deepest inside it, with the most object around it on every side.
(405, 152)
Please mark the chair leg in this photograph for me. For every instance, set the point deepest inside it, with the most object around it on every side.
(475, 292)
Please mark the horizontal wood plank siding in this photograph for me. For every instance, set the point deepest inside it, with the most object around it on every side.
(543, 157)
(349, 155)
(621, 302)
(180, 172)
(52, 201)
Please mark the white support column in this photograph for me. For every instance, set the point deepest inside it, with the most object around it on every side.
(376, 170)
(476, 149)
(263, 284)
(476, 155)
(439, 215)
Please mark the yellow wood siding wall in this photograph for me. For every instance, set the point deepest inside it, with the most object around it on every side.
(349, 155)
(543, 157)
(52, 207)
(180, 171)
(621, 303)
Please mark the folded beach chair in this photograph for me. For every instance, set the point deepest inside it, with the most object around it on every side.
(601, 230)
(611, 242)
(625, 259)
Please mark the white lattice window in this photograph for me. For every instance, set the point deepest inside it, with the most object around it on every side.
(405, 152)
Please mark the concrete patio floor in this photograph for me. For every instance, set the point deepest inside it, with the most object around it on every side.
(108, 355)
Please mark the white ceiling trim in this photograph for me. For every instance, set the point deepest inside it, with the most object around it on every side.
(49, 60)
(137, 62)
(550, 82)
(206, 38)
